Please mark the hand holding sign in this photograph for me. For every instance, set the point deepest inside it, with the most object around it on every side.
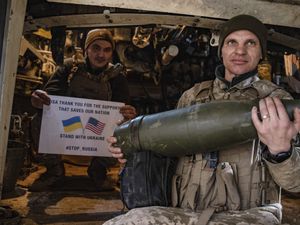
(75, 126)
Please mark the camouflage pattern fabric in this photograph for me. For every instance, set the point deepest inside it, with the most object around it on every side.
(156, 215)
(248, 176)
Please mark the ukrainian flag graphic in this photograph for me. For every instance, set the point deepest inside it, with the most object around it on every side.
(72, 124)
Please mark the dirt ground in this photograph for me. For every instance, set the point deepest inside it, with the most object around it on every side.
(78, 202)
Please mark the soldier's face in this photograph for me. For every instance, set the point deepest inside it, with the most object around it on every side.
(241, 53)
(99, 53)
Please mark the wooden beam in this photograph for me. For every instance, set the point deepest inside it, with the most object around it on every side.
(119, 19)
(130, 19)
(269, 12)
(12, 33)
(284, 40)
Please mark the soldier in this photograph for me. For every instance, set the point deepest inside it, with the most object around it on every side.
(243, 186)
(93, 78)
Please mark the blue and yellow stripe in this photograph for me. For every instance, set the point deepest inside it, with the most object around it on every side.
(72, 124)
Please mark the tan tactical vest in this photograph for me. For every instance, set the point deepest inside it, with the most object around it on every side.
(82, 84)
(241, 179)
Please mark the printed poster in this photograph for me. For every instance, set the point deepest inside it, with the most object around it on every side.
(76, 126)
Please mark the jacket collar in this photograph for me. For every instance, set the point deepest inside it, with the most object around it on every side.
(242, 81)
(97, 71)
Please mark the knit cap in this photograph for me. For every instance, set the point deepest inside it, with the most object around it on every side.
(99, 34)
(244, 22)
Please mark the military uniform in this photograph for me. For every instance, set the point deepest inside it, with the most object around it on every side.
(71, 80)
(234, 187)
(78, 79)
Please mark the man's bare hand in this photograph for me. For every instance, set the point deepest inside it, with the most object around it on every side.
(275, 129)
(128, 112)
(40, 98)
(115, 151)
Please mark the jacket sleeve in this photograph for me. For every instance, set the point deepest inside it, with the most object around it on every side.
(287, 173)
(58, 83)
(120, 89)
(187, 98)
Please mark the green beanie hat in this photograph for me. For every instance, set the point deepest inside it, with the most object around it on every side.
(244, 22)
(99, 34)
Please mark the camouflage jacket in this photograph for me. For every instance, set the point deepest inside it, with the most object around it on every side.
(79, 80)
(192, 191)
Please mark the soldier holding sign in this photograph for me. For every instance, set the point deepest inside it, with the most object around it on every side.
(94, 78)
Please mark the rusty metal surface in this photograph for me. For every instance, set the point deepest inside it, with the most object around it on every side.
(270, 12)
(281, 17)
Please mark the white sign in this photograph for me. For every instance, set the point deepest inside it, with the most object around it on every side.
(77, 126)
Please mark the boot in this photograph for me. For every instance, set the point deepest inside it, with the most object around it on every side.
(50, 180)
(98, 173)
